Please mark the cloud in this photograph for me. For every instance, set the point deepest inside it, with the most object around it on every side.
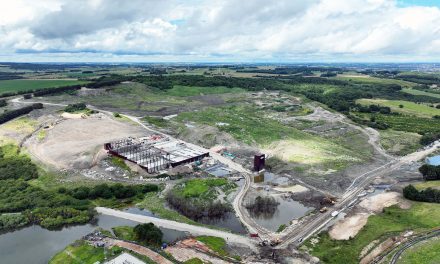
(253, 30)
(84, 17)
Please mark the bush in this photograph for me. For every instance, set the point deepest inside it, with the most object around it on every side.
(71, 108)
(148, 233)
(428, 195)
(430, 172)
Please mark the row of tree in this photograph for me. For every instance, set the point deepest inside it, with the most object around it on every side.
(428, 195)
(106, 191)
(9, 115)
(430, 172)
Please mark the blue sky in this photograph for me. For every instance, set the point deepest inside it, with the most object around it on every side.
(220, 30)
(406, 3)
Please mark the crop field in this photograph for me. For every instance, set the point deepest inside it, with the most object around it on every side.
(418, 92)
(420, 217)
(24, 84)
(424, 252)
(406, 123)
(408, 108)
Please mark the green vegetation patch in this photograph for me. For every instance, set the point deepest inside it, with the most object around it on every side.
(119, 162)
(156, 204)
(124, 233)
(156, 121)
(79, 253)
(199, 187)
(216, 244)
(418, 92)
(393, 220)
(399, 142)
(182, 91)
(403, 107)
(425, 252)
(427, 184)
(25, 85)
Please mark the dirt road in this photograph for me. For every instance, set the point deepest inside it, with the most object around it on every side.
(156, 257)
(192, 229)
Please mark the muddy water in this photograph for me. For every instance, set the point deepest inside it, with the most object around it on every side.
(37, 245)
(286, 211)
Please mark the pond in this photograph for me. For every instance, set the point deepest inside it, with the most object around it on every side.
(36, 245)
(287, 210)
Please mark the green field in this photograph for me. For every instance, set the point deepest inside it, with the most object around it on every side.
(399, 142)
(418, 92)
(25, 85)
(393, 221)
(428, 184)
(405, 123)
(198, 187)
(79, 253)
(409, 108)
(427, 252)
(216, 244)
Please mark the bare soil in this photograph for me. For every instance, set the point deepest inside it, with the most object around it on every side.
(73, 143)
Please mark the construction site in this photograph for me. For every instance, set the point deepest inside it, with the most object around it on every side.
(156, 152)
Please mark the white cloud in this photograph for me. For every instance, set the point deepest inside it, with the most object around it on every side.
(253, 30)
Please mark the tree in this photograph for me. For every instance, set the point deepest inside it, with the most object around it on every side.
(148, 233)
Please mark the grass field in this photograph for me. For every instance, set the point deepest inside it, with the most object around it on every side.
(418, 92)
(79, 253)
(428, 184)
(409, 108)
(124, 233)
(405, 122)
(425, 252)
(420, 217)
(216, 244)
(399, 142)
(198, 187)
(24, 84)
(183, 91)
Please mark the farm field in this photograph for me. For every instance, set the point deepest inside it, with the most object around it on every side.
(393, 221)
(26, 84)
(405, 123)
(408, 108)
(418, 92)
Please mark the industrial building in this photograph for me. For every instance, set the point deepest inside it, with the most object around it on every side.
(156, 152)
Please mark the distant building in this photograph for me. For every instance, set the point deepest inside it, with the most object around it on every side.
(125, 258)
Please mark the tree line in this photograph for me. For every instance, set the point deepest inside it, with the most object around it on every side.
(430, 172)
(11, 114)
(428, 195)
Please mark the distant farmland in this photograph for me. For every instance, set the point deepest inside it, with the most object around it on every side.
(24, 85)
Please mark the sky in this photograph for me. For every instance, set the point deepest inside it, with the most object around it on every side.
(220, 31)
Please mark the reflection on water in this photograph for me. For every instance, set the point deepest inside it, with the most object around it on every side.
(37, 245)
(228, 221)
(286, 211)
